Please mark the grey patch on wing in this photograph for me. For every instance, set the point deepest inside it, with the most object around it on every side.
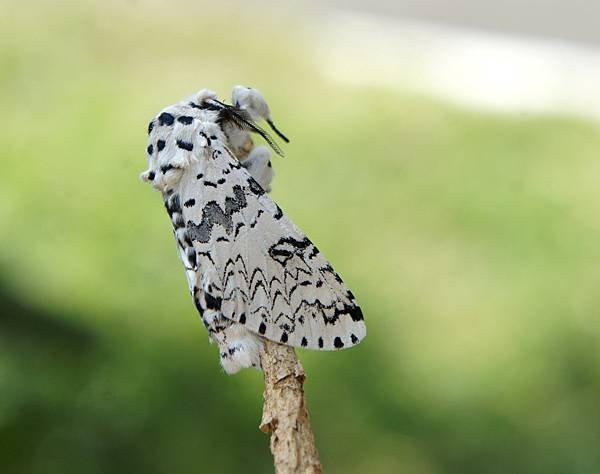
(213, 214)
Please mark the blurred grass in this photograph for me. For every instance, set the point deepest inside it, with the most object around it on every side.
(471, 241)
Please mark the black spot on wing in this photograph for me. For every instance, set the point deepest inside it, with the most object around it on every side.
(178, 222)
(212, 302)
(356, 314)
(337, 342)
(262, 328)
(198, 305)
(165, 119)
(160, 145)
(286, 247)
(168, 167)
(353, 338)
(150, 127)
(255, 187)
(185, 145)
(191, 256)
(173, 204)
(185, 119)
(189, 203)
(281, 253)
(150, 149)
(284, 338)
(321, 343)
(304, 342)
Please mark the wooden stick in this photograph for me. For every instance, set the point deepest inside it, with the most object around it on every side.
(285, 416)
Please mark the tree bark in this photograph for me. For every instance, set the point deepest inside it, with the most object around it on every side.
(285, 416)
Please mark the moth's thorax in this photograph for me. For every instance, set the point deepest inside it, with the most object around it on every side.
(180, 135)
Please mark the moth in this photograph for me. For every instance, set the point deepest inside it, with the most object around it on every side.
(251, 272)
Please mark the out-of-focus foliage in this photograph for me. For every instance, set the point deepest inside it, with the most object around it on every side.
(472, 242)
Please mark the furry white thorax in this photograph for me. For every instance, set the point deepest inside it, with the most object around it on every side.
(252, 273)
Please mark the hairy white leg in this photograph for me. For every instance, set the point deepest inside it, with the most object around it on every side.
(252, 101)
(258, 164)
(239, 348)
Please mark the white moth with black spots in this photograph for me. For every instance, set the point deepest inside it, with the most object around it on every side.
(252, 273)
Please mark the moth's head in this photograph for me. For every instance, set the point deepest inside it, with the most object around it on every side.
(201, 97)
(248, 106)
(186, 132)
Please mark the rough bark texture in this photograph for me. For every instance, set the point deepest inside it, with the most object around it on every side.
(285, 416)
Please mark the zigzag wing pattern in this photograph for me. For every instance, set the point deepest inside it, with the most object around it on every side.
(256, 267)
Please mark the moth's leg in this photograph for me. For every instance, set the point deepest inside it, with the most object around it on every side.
(241, 349)
(258, 164)
(238, 347)
(252, 101)
(238, 140)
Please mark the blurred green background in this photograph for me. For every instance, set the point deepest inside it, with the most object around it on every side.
(471, 240)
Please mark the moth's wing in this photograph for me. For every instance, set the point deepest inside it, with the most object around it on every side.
(258, 267)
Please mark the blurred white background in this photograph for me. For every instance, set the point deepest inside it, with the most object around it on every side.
(515, 56)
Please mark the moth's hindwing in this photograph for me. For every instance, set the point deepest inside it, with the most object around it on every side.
(256, 266)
